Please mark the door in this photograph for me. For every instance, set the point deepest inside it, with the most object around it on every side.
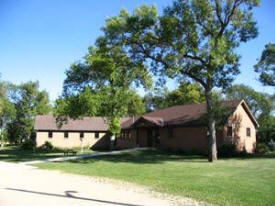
(150, 138)
(153, 138)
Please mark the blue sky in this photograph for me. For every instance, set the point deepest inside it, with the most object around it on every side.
(39, 39)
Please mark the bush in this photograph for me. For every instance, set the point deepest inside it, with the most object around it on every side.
(227, 150)
(262, 148)
(47, 146)
(28, 145)
(3, 137)
(271, 145)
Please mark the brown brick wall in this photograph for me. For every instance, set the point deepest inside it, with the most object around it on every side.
(195, 138)
(184, 138)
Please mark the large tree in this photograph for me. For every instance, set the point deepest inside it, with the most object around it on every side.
(266, 65)
(102, 85)
(28, 102)
(193, 39)
(7, 110)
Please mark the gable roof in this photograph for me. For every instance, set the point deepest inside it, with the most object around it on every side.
(249, 113)
(189, 114)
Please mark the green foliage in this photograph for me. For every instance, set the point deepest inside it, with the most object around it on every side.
(262, 148)
(187, 93)
(47, 147)
(191, 39)
(259, 103)
(230, 150)
(266, 65)
(194, 39)
(28, 145)
(227, 150)
(114, 126)
(27, 102)
(3, 137)
(7, 110)
(101, 85)
(271, 145)
(15, 132)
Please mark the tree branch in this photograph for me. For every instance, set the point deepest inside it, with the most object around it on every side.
(218, 12)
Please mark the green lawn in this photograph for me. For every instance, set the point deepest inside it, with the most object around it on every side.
(15, 154)
(239, 181)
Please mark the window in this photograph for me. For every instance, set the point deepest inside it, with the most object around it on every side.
(170, 132)
(229, 131)
(96, 135)
(66, 134)
(81, 135)
(248, 132)
(50, 134)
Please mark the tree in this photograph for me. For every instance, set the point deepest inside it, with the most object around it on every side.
(266, 66)
(193, 39)
(101, 85)
(186, 93)
(28, 102)
(261, 105)
(7, 110)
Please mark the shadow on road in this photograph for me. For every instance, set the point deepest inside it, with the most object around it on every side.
(68, 194)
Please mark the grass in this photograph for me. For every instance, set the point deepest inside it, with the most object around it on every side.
(239, 181)
(15, 154)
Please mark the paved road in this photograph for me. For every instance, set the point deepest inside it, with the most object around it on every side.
(23, 185)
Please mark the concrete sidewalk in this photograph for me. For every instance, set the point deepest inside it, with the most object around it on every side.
(61, 159)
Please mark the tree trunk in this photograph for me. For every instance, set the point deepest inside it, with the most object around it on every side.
(212, 149)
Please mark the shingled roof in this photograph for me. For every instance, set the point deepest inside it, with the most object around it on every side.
(48, 122)
(189, 114)
(179, 114)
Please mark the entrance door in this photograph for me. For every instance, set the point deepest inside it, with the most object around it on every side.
(150, 138)
(153, 137)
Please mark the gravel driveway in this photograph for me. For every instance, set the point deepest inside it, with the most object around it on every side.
(26, 185)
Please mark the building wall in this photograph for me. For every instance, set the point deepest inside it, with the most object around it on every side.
(128, 139)
(73, 140)
(240, 121)
(184, 138)
(195, 138)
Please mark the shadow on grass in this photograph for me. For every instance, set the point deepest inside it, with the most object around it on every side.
(144, 157)
(159, 156)
(15, 154)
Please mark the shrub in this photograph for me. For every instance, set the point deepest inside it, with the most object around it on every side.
(28, 145)
(262, 148)
(47, 146)
(227, 150)
(271, 145)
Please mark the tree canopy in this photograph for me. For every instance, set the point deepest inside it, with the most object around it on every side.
(7, 109)
(186, 93)
(102, 85)
(28, 102)
(192, 39)
(266, 65)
